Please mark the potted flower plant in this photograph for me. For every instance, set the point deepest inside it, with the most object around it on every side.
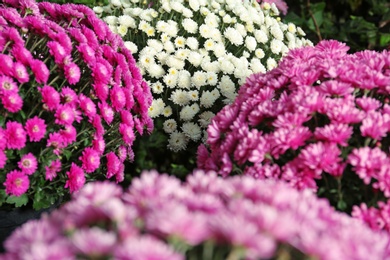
(72, 102)
(195, 54)
(319, 121)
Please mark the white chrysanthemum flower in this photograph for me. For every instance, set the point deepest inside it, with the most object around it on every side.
(156, 108)
(121, 30)
(227, 19)
(131, 46)
(174, 62)
(194, 4)
(169, 47)
(156, 45)
(277, 32)
(180, 42)
(211, 66)
(271, 63)
(233, 36)
(146, 60)
(261, 36)
(180, 97)
(250, 43)
(177, 6)
(143, 25)
(187, 12)
(162, 27)
(167, 112)
(205, 31)
(187, 113)
(177, 141)
(190, 25)
(219, 50)
(116, 3)
(300, 31)
(212, 78)
(256, 66)
(211, 20)
(192, 43)
(170, 126)
(259, 53)
(193, 95)
(204, 11)
(205, 118)
(170, 80)
(157, 87)
(111, 20)
(241, 29)
(98, 10)
(165, 38)
(195, 58)
(182, 54)
(276, 46)
(173, 28)
(209, 45)
(250, 27)
(291, 28)
(207, 99)
(184, 79)
(127, 21)
(192, 131)
(150, 31)
(162, 57)
(226, 66)
(199, 79)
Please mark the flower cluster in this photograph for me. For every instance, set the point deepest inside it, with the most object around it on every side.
(322, 115)
(195, 54)
(280, 4)
(71, 98)
(207, 217)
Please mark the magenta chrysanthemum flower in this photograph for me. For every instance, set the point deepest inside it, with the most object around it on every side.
(55, 141)
(72, 73)
(76, 178)
(15, 135)
(21, 54)
(40, 71)
(127, 133)
(99, 144)
(52, 170)
(7, 85)
(90, 159)
(57, 50)
(69, 96)
(106, 111)
(6, 65)
(12, 102)
(50, 97)
(3, 159)
(68, 134)
(28, 164)
(20, 72)
(117, 97)
(87, 106)
(113, 164)
(64, 115)
(16, 183)
(35, 128)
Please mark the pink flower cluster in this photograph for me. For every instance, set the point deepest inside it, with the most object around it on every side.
(72, 98)
(158, 215)
(322, 111)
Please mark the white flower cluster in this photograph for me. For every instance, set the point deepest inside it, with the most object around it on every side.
(196, 53)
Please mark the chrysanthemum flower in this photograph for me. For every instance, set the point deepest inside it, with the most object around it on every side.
(16, 183)
(15, 135)
(35, 128)
(90, 159)
(76, 178)
(28, 164)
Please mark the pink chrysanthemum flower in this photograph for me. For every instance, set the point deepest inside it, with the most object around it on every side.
(117, 97)
(57, 50)
(7, 85)
(6, 65)
(28, 164)
(40, 71)
(69, 134)
(69, 96)
(122, 153)
(87, 106)
(52, 170)
(101, 73)
(55, 141)
(106, 111)
(16, 183)
(35, 128)
(76, 178)
(12, 102)
(113, 164)
(50, 97)
(20, 72)
(101, 90)
(21, 54)
(90, 159)
(127, 133)
(15, 135)
(64, 115)
(99, 144)
(72, 73)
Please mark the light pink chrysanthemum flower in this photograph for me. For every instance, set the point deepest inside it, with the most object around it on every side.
(28, 164)
(15, 135)
(16, 183)
(76, 178)
(35, 128)
(90, 159)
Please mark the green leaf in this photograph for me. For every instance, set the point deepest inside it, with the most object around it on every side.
(67, 153)
(384, 39)
(41, 200)
(18, 200)
(3, 197)
(341, 205)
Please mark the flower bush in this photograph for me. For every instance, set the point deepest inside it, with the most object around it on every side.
(321, 121)
(207, 217)
(72, 101)
(195, 54)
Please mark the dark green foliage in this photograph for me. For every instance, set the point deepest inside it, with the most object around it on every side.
(362, 24)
